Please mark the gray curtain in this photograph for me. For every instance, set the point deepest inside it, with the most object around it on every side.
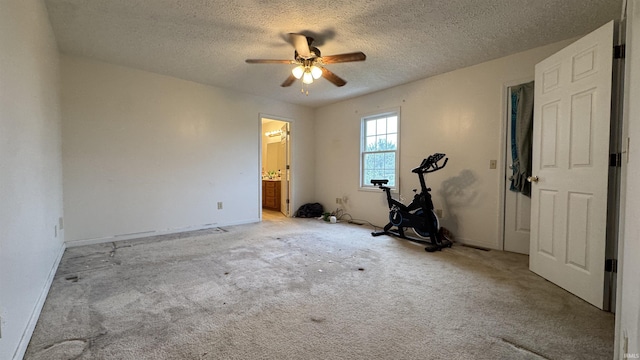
(521, 136)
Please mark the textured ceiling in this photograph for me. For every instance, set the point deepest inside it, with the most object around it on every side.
(207, 41)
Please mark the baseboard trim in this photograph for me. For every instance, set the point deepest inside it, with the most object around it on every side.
(137, 235)
(35, 314)
(476, 244)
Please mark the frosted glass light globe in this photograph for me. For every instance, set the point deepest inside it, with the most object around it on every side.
(316, 72)
(298, 71)
(307, 78)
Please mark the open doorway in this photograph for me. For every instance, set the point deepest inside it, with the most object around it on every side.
(275, 167)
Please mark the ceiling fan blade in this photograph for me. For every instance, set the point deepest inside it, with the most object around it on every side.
(268, 61)
(335, 79)
(289, 81)
(354, 56)
(301, 44)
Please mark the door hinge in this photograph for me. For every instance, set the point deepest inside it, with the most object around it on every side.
(288, 167)
(287, 201)
(619, 51)
(611, 265)
(615, 160)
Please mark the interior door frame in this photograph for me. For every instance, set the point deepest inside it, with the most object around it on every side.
(503, 154)
(262, 116)
(616, 149)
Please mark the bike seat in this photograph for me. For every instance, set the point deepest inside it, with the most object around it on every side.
(379, 182)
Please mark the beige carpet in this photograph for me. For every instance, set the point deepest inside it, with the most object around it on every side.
(306, 289)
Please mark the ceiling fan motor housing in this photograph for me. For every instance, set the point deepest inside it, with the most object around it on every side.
(315, 53)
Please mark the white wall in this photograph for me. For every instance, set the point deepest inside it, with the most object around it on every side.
(145, 153)
(30, 169)
(460, 113)
(628, 306)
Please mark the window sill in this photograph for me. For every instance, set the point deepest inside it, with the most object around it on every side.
(376, 189)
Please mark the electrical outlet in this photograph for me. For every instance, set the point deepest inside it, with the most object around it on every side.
(219, 205)
(338, 200)
(60, 223)
(493, 164)
(55, 230)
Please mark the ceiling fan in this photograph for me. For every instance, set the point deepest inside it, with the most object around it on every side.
(310, 63)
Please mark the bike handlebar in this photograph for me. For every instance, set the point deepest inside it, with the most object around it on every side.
(430, 164)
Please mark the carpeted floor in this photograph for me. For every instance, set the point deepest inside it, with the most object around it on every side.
(307, 289)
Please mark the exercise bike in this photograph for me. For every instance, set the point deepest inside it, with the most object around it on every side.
(418, 215)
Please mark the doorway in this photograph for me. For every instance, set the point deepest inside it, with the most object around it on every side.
(275, 167)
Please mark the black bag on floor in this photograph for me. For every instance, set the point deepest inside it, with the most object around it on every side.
(310, 210)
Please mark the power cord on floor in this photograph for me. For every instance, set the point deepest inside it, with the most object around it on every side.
(340, 214)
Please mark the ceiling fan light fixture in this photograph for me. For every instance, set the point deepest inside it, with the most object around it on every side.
(273, 133)
(307, 78)
(308, 63)
(298, 71)
(316, 72)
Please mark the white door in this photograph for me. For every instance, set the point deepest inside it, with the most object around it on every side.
(517, 207)
(570, 162)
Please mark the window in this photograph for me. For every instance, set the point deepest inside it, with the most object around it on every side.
(379, 149)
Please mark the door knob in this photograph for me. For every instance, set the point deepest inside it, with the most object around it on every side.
(532, 179)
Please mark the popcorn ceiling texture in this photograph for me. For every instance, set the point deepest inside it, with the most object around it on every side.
(404, 40)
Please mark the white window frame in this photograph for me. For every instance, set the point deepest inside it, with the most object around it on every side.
(363, 142)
